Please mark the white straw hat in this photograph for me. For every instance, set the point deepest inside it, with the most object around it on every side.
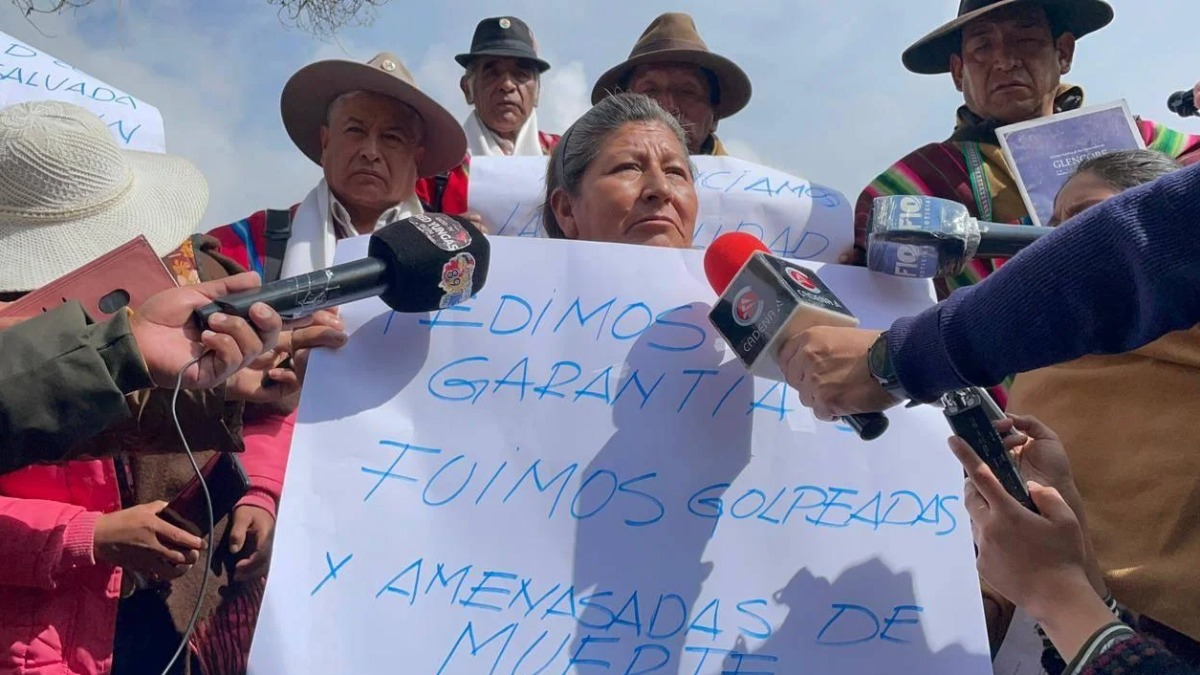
(69, 195)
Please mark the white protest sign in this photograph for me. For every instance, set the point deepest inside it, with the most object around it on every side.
(27, 74)
(795, 218)
(571, 474)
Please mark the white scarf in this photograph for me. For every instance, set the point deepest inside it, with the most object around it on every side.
(315, 229)
(482, 142)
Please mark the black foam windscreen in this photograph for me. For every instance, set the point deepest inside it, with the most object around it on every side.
(433, 261)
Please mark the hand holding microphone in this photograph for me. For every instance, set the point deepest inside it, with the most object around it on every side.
(767, 303)
(168, 341)
(828, 368)
(420, 264)
(841, 370)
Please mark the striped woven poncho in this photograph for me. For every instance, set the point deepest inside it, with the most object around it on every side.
(970, 168)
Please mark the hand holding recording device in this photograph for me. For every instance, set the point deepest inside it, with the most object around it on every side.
(972, 415)
(227, 483)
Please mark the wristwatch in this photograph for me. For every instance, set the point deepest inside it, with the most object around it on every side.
(879, 363)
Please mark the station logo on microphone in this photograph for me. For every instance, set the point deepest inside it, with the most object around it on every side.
(802, 280)
(757, 308)
(443, 231)
(747, 307)
(752, 309)
(808, 287)
(458, 274)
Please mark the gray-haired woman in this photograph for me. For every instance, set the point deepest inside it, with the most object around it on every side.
(621, 173)
(1100, 178)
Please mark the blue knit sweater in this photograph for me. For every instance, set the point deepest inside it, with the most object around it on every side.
(1116, 277)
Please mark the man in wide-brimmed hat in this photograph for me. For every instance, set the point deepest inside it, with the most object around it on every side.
(671, 64)
(1007, 57)
(502, 83)
(374, 133)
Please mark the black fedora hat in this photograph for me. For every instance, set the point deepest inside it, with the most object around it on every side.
(931, 54)
(503, 36)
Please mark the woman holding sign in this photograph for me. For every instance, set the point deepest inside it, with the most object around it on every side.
(622, 174)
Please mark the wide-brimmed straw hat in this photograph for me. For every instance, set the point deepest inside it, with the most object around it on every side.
(931, 54)
(673, 38)
(308, 94)
(505, 36)
(69, 194)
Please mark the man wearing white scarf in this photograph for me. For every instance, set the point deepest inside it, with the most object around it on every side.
(374, 134)
(502, 83)
(483, 141)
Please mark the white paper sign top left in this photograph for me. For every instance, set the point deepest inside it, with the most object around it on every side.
(29, 74)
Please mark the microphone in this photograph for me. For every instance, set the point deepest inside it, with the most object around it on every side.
(419, 264)
(1183, 103)
(764, 300)
(926, 237)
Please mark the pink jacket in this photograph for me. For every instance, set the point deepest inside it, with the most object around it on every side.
(58, 606)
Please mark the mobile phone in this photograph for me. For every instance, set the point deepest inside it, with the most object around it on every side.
(971, 413)
(227, 484)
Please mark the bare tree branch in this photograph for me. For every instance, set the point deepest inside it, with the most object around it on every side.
(321, 18)
(29, 7)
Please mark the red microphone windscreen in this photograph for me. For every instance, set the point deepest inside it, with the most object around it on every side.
(726, 256)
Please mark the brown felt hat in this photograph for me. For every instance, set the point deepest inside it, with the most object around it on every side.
(931, 54)
(673, 38)
(309, 93)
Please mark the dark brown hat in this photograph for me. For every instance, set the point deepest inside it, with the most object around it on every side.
(503, 36)
(309, 93)
(673, 38)
(931, 54)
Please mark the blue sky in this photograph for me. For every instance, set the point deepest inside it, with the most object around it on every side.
(831, 101)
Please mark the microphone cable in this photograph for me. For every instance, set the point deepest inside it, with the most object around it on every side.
(208, 505)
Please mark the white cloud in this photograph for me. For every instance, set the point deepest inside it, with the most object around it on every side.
(566, 95)
(740, 149)
(340, 49)
(438, 75)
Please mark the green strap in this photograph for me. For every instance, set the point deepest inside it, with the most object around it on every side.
(979, 182)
